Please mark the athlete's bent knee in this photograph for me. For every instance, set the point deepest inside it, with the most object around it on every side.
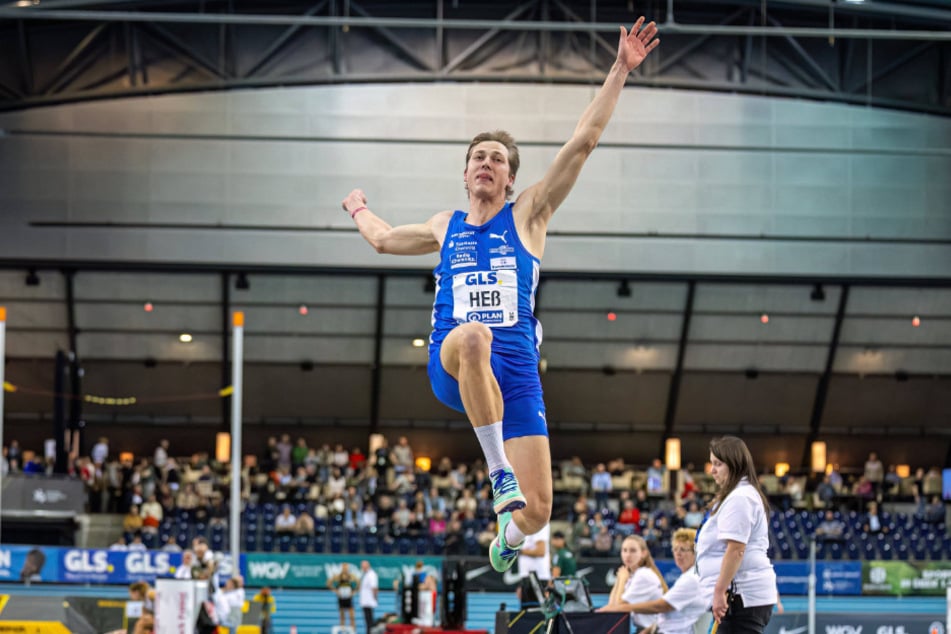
(536, 513)
(475, 342)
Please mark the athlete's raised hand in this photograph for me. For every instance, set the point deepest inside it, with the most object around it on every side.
(633, 47)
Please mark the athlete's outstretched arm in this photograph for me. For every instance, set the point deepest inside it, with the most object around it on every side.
(553, 188)
(413, 239)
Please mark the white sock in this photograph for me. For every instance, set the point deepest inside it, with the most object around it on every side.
(513, 536)
(490, 438)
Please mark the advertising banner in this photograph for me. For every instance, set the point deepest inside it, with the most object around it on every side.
(857, 623)
(906, 578)
(49, 496)
(27, 563)
(842, 578)
(53, 564)
(302, 570)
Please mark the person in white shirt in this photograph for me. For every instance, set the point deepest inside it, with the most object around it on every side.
(684, 603)
(369, 592)
(638, 580)
(536, 555)
(184, 570)
(732, 543)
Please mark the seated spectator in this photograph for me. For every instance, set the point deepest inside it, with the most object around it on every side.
(188, 499)
(119, 544)
(825, 492)
(933, 513)
(437, 524)
(581, 537)
(863, 488)
(830, 529)
(285, 522)
(694, 517)
(629, 520)
(304, 524)
(132, 522)
(582, 506)
(873, 521)
(932, 484)
(152, 514)
(467, 503)
(171, 546)
(616, 466)
(892, 484)
(603, 542)
(136, 543)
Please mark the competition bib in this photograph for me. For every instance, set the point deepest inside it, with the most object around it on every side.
(490, 297)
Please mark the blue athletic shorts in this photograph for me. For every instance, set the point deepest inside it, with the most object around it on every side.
(524, 406)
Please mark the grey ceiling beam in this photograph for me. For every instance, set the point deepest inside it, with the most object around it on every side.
(66, 64)
(673, 394)
(392, 38)
(893, 65)
(433, 23)
(282, 41)
(485, 38)
(805, 56)
(822, 388)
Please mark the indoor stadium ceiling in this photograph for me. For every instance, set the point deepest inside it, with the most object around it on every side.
(891, 54)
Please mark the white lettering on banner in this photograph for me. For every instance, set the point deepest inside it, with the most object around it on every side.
(86, 561)
(489, 297)
(147, 563)
(269, 569)
(6, 558)
(843, 629)
(891, 629)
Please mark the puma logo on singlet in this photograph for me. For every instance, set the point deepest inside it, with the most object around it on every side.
(500, 236)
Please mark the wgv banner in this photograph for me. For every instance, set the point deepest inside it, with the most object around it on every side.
(906, 578)
(304, 570)
(51, 564)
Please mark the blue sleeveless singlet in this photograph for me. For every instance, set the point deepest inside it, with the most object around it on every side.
(485, 274)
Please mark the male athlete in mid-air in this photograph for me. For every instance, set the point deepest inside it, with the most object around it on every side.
(483, 352)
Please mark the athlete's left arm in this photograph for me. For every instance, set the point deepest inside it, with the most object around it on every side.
(545, 196)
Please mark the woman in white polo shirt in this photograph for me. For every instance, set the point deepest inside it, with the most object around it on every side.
(732, 543)
(684, 603)
(638, 580)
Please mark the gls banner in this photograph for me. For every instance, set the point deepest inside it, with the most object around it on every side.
(53, 564)
(314, 571)
(827, 623)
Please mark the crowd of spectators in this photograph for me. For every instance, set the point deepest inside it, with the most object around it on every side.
(387, 493)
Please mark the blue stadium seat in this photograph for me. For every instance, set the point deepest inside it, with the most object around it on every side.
(422, 545)
(853, 552)
(302, 543)
(386, 546)
(336, 544)
(370, 543)
(353, 542)
(267, 542)
(284, 542)
(251, 542)
(403, 545)
(320, 543)
(472, 547)
(835, 550)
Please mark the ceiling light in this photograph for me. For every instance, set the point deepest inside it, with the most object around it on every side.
(612, 316)
(419, 343)
(148, 307)
(764, 318)
(32, 279)
(302, 309)
(242, 283)
(916, 321)
(185, 337)
(623, 289)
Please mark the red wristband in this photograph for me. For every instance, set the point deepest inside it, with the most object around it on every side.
(356, 211)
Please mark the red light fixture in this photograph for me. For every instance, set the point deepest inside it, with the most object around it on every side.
(764, 318)
(302, 309)
(916, 321)
(148, 307)
(612, 316)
